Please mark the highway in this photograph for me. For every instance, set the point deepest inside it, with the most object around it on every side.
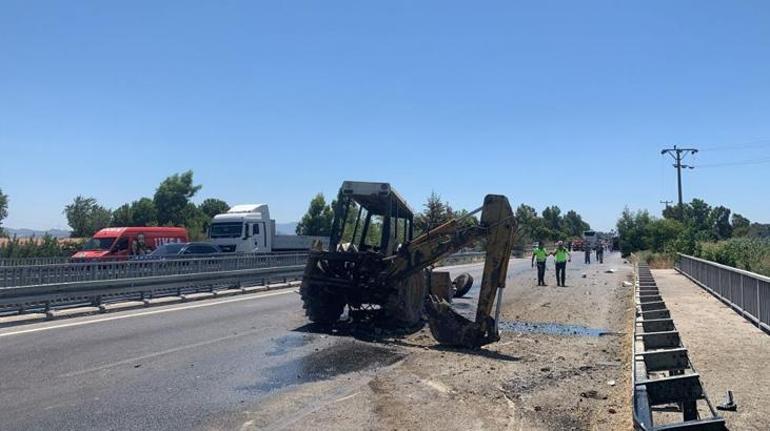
(195, 365)
(185, 366)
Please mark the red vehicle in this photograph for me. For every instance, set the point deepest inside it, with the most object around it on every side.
(117, 243)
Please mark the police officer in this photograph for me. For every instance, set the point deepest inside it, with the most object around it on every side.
(540, 255)
(587, 250)
(561, 256)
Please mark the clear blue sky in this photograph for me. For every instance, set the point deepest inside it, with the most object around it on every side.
(564, 103)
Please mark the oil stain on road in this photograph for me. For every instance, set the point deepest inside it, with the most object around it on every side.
(325, 364)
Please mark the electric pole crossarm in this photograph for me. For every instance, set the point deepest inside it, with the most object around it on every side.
(678, 155)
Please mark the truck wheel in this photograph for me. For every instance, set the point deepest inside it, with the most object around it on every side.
(463, 284)
(320, 306)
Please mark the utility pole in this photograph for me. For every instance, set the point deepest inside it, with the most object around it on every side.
(678, 155)
(667, 203)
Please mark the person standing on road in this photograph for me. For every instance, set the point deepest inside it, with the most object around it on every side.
(561, 256)
(600, 253)
(587, 250)
(540, 255)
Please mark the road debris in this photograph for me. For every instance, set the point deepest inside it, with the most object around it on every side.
(728, 404)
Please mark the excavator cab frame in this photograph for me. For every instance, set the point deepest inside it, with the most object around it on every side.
(370, 217)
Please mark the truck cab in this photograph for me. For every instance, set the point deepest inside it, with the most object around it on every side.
(243, 229)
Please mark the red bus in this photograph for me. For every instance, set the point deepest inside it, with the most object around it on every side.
(116, 243)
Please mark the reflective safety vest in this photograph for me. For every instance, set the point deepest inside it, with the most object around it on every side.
(540, 254)
(561, 254)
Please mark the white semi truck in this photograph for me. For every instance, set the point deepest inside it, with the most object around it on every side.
(248, 228)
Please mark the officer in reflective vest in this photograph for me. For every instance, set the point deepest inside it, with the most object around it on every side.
(561, 256)
(540, 255)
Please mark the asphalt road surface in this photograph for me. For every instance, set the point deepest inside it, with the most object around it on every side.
(186, 366)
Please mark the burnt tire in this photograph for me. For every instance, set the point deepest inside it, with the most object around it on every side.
(405, 305)
(320, 306)
(463, 284)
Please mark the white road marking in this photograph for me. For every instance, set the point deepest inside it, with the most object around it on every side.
(164, 352)
(147, 313)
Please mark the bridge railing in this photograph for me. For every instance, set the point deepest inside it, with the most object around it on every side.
(745, 292)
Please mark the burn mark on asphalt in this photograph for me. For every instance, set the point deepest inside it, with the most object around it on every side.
(286, 343)
(324, 364)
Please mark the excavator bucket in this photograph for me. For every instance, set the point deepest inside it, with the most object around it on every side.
(449, 327)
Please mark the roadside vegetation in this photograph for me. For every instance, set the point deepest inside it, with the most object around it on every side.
(44, 246)
(170, 206)
(697, 229)
(550, 225)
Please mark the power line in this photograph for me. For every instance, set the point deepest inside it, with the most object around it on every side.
(736, 163)
(760, 143)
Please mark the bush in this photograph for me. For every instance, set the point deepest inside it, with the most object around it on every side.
(744, 253)
(45, 246)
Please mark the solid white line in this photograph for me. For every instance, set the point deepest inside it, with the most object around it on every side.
(148, 313)
(164, 352)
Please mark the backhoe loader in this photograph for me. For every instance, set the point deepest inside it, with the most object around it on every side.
(378, 270)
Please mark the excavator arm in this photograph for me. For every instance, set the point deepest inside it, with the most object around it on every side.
(497, 226)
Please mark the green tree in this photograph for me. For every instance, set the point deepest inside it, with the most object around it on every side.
(172, 196)
(143, 213)
(660, 233)
(740, 225)
(573, 224)
(318, 219)
(632, 231)
(719, 219)
(530, 227)
(553, 222)
(195, 220)
(85, 216)
(697, 214)
(3, 210)
(434, 213)
(212, 207)
(122, 216)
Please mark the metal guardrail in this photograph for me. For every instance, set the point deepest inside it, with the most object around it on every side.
(664, 380)
(142, 280)
(16, 261)
(45, 297)
(745, 292)
(463, 258)
(28, 275)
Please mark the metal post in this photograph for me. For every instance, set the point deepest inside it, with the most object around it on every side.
(759, 304)
(743, 305)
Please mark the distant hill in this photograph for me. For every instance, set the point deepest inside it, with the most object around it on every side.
(286, 228)
(26, 233)
(282, 228)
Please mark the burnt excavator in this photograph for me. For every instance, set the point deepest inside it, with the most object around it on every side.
(378, 270)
